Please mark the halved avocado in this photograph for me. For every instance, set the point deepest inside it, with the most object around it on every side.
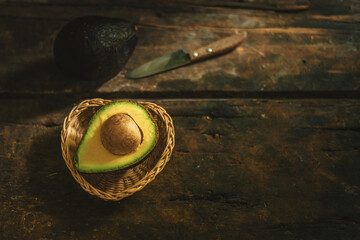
(119, 135)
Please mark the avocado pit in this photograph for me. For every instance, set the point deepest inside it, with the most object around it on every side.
(120, 134)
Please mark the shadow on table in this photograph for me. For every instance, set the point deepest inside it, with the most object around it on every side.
(57, 193)
(40, 89)
(43, 76)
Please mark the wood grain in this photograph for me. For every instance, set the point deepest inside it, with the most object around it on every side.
(267, 136)
(283, 5)
(310, 51)
(241, 168)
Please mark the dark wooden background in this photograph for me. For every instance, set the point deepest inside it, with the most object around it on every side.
(267, 136)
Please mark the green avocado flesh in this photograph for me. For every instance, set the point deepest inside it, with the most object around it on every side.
(92, 156)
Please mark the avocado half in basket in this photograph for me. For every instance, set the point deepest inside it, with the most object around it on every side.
(119, 135)
(114, 148)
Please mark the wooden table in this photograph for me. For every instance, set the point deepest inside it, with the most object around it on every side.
(267, 136)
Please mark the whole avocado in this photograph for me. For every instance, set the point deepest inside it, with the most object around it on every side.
(94, 48)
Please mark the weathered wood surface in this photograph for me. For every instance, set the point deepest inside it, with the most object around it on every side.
(308, 51)
(254, 159)
(254, 169)
(282, 5)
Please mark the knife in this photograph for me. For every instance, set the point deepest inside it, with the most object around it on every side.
(181, 57)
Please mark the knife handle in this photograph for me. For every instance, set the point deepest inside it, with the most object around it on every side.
(217, 47)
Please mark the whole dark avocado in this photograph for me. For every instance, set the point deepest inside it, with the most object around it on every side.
(94, 48)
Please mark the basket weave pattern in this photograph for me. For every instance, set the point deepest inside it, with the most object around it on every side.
(122, 183)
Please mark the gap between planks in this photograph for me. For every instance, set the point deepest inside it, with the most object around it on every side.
(188, 96)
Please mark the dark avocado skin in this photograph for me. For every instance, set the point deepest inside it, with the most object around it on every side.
(94, 48)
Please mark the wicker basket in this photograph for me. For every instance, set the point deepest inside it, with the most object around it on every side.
(117, 184)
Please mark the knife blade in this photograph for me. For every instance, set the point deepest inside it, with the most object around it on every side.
(180, 57)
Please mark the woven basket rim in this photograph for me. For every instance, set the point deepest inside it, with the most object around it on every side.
(149, 176)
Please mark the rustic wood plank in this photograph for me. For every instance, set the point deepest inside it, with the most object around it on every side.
(274, 169)
(302, 52)
(242, 168)
(283, 5)
(333, 6)
(330, 6)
